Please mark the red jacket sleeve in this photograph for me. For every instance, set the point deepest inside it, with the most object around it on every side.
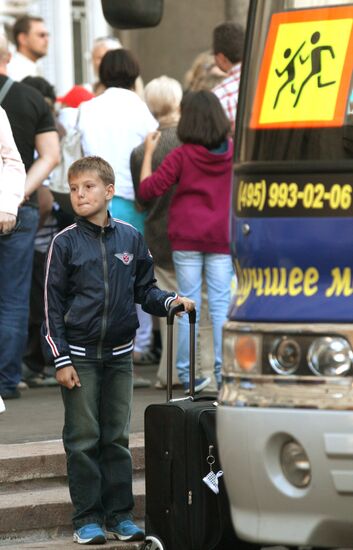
(163, 178)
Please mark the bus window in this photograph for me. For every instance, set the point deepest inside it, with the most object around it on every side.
(301, 83)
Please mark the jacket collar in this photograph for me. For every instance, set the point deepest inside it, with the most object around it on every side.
(94, 229)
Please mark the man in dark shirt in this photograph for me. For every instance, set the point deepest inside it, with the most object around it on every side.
(34, 130)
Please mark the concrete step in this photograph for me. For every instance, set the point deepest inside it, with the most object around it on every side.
(48, 508)
(46, 459)
(35, 505)
(67, 543)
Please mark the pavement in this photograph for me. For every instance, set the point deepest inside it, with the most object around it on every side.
(39, 414)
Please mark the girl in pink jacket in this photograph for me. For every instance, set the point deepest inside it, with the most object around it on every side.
(198, 226)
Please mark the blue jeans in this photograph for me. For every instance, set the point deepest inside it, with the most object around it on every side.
(96, 439)
(16, 257)
(218, 270)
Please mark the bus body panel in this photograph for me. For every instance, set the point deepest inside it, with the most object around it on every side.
(292, 245)
(269, 509)
(296, 269)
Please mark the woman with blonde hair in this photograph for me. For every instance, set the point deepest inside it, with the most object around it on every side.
(203, 73)
(163, 96)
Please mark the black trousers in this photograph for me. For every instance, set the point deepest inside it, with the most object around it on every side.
(33, 356)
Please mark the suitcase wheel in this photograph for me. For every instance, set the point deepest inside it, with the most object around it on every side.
(152, 543)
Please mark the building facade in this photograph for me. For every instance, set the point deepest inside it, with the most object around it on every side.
(185, 31)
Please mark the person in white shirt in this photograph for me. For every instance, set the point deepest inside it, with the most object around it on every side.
(12, 183)
(100, 47)
(32, 39)
(112, 125)
(12, 176)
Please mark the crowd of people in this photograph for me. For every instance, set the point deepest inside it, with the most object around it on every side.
(79, 288)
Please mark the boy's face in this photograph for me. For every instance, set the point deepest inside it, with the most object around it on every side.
(89, 196)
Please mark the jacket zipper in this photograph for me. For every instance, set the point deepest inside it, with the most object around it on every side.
(106, 296)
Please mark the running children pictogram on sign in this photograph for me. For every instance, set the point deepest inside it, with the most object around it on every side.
(306, 69)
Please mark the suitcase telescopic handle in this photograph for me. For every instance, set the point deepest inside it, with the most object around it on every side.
(170, 322)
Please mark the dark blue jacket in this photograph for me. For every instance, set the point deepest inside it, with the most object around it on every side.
(94, 276)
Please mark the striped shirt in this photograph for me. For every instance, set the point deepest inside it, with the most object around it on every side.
(45, 234)
(227, 92)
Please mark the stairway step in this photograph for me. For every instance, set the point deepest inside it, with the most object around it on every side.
(48, 508)
(67, 543)
(46, 459)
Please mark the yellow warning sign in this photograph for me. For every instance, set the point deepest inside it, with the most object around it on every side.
(306, 69)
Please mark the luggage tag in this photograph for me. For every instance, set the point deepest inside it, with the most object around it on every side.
(211, 479)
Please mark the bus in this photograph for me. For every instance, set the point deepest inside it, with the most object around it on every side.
(284, 421)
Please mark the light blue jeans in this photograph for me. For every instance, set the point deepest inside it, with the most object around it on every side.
(218, 270)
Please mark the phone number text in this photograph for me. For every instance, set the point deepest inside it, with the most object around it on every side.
(277, 195)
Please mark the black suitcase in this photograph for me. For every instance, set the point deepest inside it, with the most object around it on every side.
(182, 512)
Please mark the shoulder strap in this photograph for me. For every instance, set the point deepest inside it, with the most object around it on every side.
(78, 117)
(4, 90)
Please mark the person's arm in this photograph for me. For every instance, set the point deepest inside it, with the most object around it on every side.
(48, 149)
(154, 300)
(55, 294)
(167, 174)
(7, 222)
(151, 143)
(136, 159)
(45, 203)
(12, 178)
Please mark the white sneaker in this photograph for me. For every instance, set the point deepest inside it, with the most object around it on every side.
(2, 406)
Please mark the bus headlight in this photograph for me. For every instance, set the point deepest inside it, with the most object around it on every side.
(245, 353)
(241, 353)
(295, 464)
(285, 356)
(330, 356)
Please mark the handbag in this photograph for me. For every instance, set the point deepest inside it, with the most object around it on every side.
(71, 150)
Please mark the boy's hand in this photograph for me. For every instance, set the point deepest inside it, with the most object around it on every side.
(151, 141)
(189, 305)
(68, 377)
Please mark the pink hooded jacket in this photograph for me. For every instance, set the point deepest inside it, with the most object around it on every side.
(199, 211)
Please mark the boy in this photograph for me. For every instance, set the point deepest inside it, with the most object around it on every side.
(96, 270)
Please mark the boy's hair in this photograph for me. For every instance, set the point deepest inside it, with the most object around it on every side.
(119, 69)
(23, 24)
(93, 164)
(228, 38)
(202, 120)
